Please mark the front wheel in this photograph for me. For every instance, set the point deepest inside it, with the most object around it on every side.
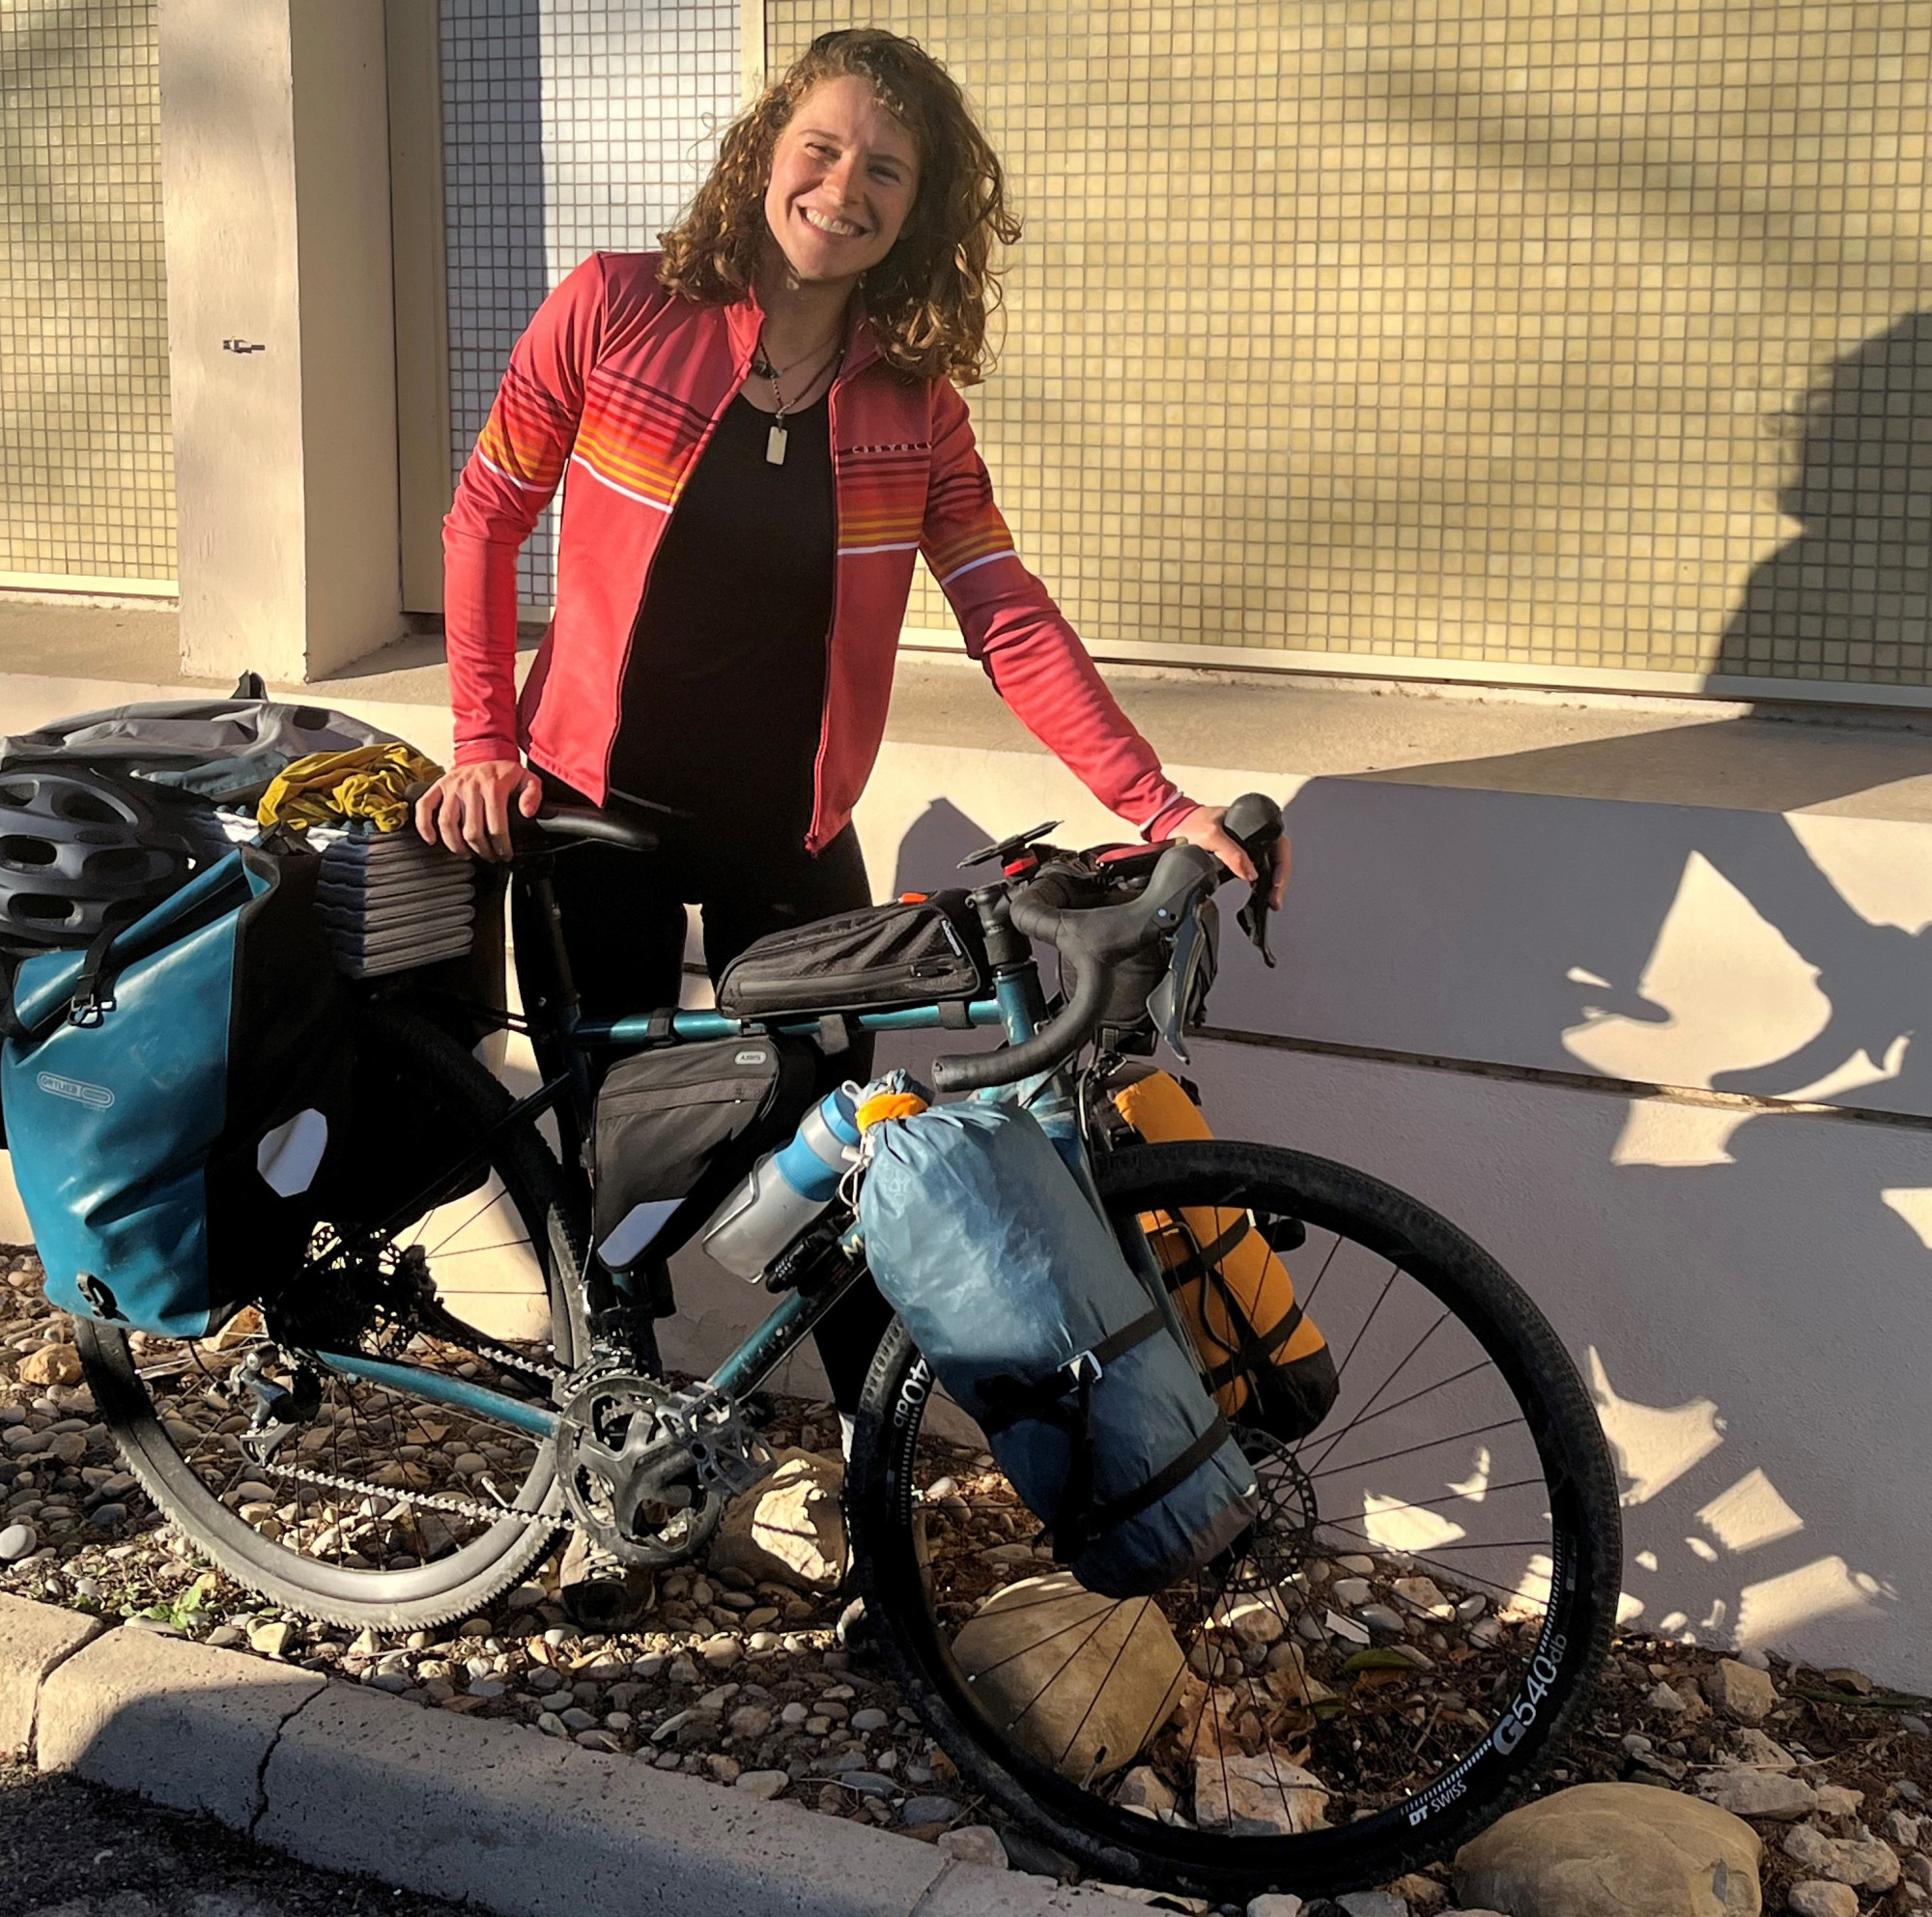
(1375, 1672)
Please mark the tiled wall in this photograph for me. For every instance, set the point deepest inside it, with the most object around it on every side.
(568, 125)
(86, 459)
(1573, 333)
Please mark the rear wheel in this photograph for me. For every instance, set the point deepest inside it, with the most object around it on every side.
(379, 1510)
(1366, 1679)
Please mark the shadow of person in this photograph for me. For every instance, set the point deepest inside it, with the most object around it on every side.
(934, 843)
(1853, 592)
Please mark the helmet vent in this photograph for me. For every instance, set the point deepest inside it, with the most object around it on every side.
(17, 849)
(87, 808)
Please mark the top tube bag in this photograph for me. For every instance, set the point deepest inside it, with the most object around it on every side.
(170, 1094)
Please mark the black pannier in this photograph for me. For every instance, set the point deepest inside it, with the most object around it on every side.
(685, 1122)
(919, 952)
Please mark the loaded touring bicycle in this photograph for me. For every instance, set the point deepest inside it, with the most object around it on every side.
(1336, 1613)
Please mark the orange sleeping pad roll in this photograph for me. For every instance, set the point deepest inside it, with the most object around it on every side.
(1267, 1362)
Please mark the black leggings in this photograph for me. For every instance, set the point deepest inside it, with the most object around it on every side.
(624, 924)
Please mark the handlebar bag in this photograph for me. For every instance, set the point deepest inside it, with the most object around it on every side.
(916, 952)
(687, 1120)
(1267, 1362)
(1021, 1301)
(170, 1096)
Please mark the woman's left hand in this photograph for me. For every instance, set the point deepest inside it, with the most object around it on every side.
(1203, 827)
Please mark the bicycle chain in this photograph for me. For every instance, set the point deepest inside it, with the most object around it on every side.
(426, 1501)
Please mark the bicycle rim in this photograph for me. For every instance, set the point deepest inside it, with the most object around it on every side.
(1375, 1672)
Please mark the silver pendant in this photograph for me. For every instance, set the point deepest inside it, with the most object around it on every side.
(775, 446)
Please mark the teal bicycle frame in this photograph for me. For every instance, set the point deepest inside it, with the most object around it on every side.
(1017, 1008)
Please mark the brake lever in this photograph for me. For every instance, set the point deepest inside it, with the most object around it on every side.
(1253, 916)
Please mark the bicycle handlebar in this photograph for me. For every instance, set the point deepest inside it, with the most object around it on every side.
(1099, 937)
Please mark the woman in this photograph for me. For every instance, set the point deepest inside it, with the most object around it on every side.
(782, 374)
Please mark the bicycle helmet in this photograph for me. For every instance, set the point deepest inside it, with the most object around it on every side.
(76, 847)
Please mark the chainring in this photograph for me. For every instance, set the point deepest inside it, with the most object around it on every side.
(631, 1473)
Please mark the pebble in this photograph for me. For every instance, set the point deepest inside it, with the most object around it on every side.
(1372, 1904)
(1276, 1903)
(869, 1719)
(1814, 1896)
(1757, 1794)
(18, 1541)
(980, 1843)
(750, 1720)
(1382, 1617)
(1915, 1727)
(1352, 1591)
(917, 1811)
(794, 1714)
(763, 1785)
(868, 1783)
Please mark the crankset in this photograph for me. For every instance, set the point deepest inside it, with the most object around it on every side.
(647, 1469)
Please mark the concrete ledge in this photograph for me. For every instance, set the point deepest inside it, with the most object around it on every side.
(466, 1807)
(181, 1724)
(459, 1807)
(34, 1638)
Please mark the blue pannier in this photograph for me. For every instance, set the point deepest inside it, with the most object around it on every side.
(1021, 1301)
(170, 1094)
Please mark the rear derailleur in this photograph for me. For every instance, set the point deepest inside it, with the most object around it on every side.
(647, 1468)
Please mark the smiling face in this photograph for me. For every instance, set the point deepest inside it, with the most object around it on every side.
(844, 175)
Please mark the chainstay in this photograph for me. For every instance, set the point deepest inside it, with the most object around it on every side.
(421, 1501)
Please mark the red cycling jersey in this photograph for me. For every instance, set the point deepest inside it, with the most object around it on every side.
(620, 383)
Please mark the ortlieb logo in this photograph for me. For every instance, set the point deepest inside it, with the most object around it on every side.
(77, 1089)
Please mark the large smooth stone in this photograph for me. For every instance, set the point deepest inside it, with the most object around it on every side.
(790, 1529)
(1613, 1850)
(1081, 1681)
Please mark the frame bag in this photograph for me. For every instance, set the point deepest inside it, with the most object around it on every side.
(170, 1096)
(1020, 1300)
(687, 1120)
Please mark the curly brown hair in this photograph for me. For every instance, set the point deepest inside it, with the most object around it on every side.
(929, 297)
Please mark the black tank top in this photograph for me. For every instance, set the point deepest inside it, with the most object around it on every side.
(724, 686)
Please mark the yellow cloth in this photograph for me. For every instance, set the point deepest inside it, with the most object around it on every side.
(889, 1105)
(368, 783)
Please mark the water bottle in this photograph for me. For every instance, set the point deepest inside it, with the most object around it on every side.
(787, 1188)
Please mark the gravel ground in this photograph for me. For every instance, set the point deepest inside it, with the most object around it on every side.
(743, 1682)
(68, 1849)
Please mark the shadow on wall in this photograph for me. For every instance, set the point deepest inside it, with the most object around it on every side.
(1752, 1292)
(1850, 597)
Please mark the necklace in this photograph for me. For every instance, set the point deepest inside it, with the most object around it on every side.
(775, 440)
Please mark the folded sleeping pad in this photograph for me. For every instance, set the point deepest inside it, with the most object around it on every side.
(1022, 1303)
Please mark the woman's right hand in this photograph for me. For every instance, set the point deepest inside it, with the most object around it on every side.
(468, 808)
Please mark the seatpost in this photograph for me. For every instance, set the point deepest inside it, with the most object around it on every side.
(563, 1004)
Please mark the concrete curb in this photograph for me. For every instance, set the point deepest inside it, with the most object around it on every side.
(458, 1807)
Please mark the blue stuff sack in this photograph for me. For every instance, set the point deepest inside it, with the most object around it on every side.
(1020, 1300)
(170, 1094)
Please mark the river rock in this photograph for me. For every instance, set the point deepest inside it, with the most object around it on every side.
(1070, 1674)
(52, 1365)
(1757, 1794)
(18, 1541)
(1260, 1796)
(975, 1844)
(789, 1531)
(1738, 1692)
(1864, 1861)
(1817, 1897)
(1614, 1851)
